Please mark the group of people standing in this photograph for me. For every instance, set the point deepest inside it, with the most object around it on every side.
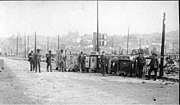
(102, 61)
(153, 65)
(141, 64)
(35, 61)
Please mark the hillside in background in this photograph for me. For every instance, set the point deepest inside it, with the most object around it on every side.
(75, 42)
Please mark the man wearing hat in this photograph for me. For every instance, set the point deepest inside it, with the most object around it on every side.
(81, 62)
(31, 60)
(141, 62)
(103, 63)
(154, 65)
(48, 61)
(37, 59)
(62, 61)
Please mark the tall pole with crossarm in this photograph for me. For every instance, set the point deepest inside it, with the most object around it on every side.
(97, 27)
(47, 43)
(58, 41)
(28, 45)
(24, 45)
(128, 40)
(162, 47)
(17, 45)
(35, 43)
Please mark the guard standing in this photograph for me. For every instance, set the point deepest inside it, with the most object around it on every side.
(62, 61)
(48, 61)
(81, 61)
(38, 61)
(31, 60)
(103, 63)
(57, 59)
(154, 66)
(141, 62)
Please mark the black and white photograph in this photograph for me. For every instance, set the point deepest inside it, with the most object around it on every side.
(89, 52)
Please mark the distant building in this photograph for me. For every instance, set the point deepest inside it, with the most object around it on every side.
(102, 40)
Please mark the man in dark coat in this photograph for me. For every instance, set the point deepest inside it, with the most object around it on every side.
(141, 62)
(31, 60)
(154, 66)
(103, 63)
(37, 58)
(48, 61)
(81, 61)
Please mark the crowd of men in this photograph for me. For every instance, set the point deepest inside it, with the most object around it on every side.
(153, 65)
(35, 62)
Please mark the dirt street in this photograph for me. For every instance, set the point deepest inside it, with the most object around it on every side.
(18, 85)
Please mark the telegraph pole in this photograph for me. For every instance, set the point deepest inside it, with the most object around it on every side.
(47, 43)
(128, 39)
(28, 45)
(140, 44)
(11, 52)
(162, 47)
(17, 45)
(112, 43)
(8, 51)
(25, 45)
(97, 26)
(58, 41)
(97, 34)
(35, 43)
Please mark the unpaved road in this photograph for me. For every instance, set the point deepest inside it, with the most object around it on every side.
(18, 85)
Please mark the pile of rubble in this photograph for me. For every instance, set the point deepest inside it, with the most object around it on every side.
(171, 66)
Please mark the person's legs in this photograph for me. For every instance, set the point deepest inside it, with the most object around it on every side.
(149, 73)
(61, 66)
(47, 67)
(35, 66)
(155, 72)
(104, 72)
(102, 68)
(50, 67)
(39, 64)
(31, 66)
(80, 68)
(140, 71)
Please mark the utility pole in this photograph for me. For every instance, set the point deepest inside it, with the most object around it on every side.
(97, 26)
(140, 44)
(11, 52)
(8, 51)
(28, 45)
(112, 43)
(162, 47)
(128, 40)
(35, 43)
(17, 45)
(97, 35)
(58, 41)
(47, 43)
(24, 45)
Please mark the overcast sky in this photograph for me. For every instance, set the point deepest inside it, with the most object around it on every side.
(59, 17)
